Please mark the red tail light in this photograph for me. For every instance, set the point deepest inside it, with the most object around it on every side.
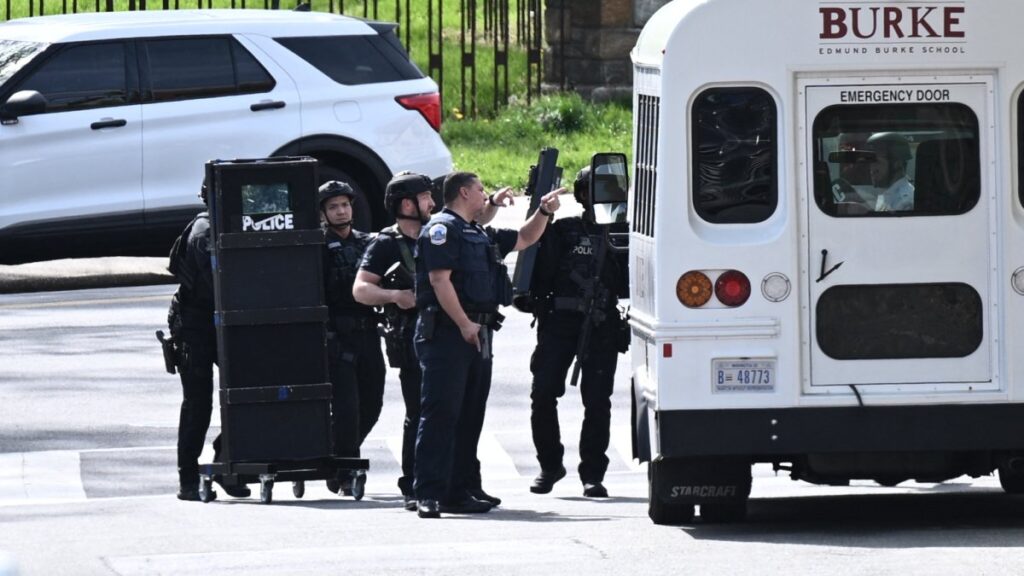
(429, 105)
(732, 288)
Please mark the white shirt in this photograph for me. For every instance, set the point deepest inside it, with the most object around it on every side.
(899, 196)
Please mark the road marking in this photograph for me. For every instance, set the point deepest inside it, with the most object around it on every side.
(622, 440)
(380, 558)
(495, 462)
(394, 444)
(67, 303)
(41, 477)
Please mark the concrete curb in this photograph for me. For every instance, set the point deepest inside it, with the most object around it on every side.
(83, 273)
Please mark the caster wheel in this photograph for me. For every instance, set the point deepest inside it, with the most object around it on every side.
(267, 492)
(358, 484)
(206, 493)
(299, 489)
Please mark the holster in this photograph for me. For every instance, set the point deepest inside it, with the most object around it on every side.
(395, 341)
(171, 359)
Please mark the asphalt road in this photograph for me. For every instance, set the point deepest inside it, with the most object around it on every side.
(87, 433)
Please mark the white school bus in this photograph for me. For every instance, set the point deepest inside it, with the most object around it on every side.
(827, 245)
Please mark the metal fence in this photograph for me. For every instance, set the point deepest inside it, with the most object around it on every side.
(502, 30)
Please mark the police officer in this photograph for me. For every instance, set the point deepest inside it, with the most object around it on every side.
(566, 263)
(409, 199)
(460, 283)
(356, 362)
(190, 320)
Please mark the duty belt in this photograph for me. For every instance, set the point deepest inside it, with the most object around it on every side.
(354, 323)
(491, 319)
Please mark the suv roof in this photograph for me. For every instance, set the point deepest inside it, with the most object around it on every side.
(101, 26)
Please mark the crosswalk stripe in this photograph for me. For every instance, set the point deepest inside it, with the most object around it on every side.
(622, 440)
(495, 462)
(394, 444)
(53, 476)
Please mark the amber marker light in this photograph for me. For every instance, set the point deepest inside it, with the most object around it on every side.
(693, 289)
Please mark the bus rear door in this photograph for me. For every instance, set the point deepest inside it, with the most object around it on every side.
(900, 235)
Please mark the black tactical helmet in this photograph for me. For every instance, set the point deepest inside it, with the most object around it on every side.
(333, 188)
(204, 192)
(890, 144)
(581, 187)
(405, 185)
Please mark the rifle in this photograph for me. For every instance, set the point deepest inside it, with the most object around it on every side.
(594, 296)
(544, 177)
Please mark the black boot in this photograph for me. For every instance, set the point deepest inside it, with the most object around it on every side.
(482, 496)
(594, 490)
(545, 481)
(428, 509)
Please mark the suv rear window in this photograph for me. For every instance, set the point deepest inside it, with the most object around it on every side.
(183, 68)
(14, 54)
(355, 59)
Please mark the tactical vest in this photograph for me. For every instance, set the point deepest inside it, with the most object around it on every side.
(196, 290)
(578, 261)
(340, 267)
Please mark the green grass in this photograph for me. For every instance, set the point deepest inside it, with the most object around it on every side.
(501, 149)
(451, 86)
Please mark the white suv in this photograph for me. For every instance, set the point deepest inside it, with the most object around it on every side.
(107, 119)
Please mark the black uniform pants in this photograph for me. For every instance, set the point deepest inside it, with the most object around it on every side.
(357, 387)
(409, 375)
(196, 372)
(557, 339)
(456, 383)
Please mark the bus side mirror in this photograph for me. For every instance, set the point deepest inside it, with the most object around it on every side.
(22, 103)
(609, 186)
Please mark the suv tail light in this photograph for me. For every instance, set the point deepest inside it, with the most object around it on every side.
(732, 288)
(429, 105)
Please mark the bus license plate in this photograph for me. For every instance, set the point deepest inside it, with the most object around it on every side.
(743, 375)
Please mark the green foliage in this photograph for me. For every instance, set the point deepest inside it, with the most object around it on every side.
(502, 149)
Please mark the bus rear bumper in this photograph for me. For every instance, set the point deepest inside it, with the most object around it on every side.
(772, 434)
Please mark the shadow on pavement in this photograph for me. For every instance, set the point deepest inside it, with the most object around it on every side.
(981, 518)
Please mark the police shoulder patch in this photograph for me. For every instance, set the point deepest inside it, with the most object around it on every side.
(438, 234)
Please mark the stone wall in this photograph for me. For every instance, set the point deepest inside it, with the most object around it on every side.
(588, 49)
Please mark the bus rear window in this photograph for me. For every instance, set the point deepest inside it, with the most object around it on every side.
(1020, 147)
(734, 155)
(896, 160)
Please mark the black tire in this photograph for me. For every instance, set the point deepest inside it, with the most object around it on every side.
(299, 489)
(1012, 482)
(206, 493)
(661, 513)
(724, 512)
(888, 482)
(362, 211)
(669, 514)
(267, 492)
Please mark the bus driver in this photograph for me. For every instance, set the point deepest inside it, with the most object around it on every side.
(889, 172)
